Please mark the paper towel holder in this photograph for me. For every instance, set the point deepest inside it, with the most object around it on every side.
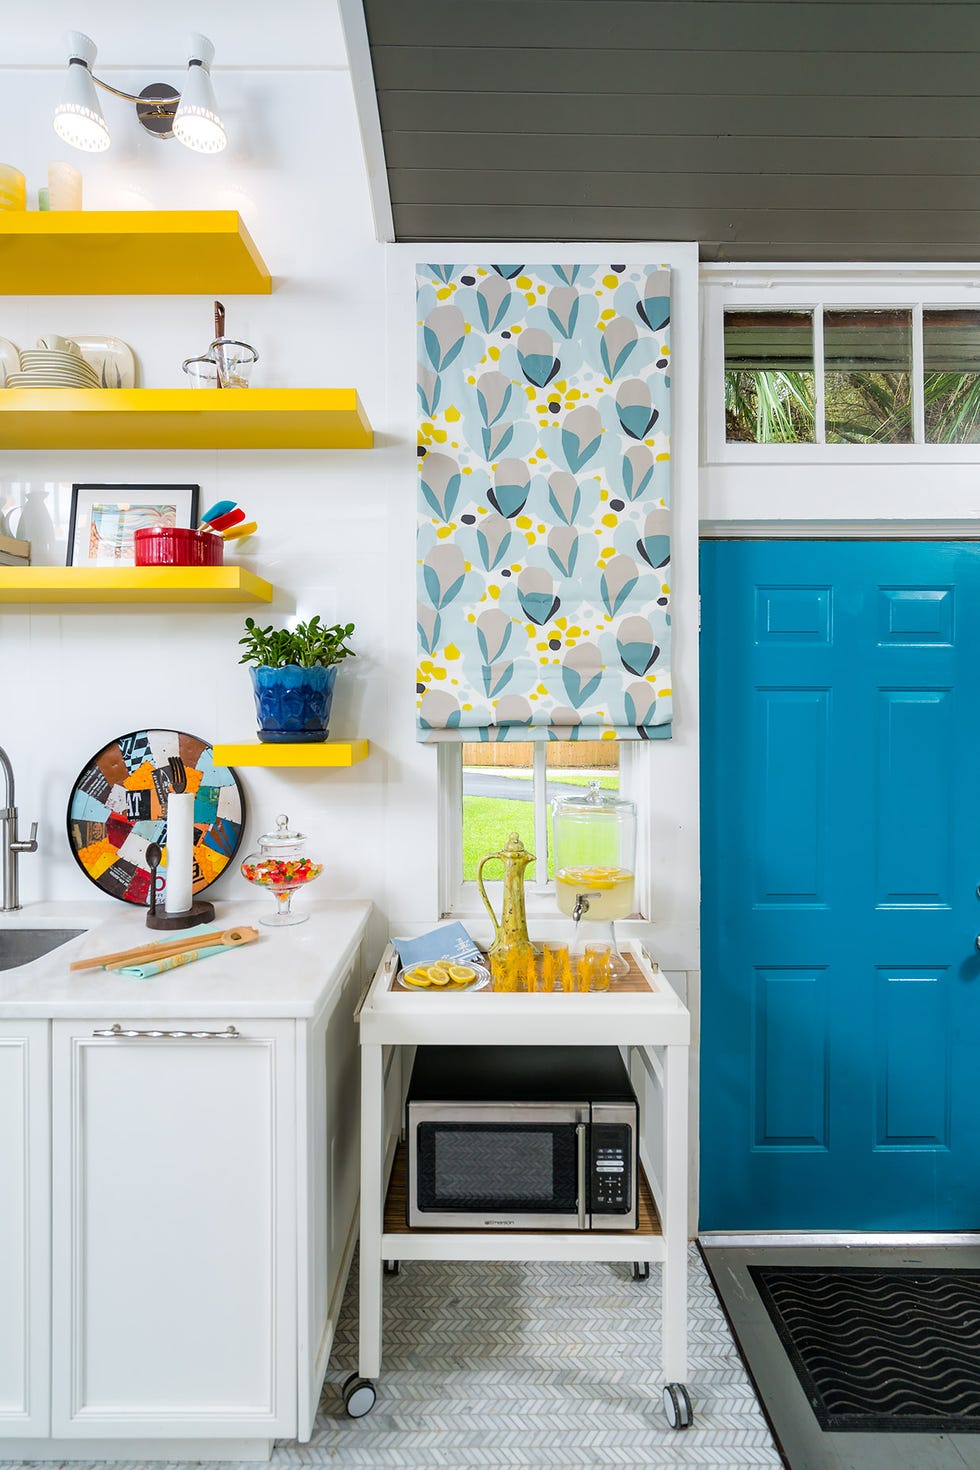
(200, 912)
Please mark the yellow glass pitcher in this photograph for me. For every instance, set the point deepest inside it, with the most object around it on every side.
(510, 930)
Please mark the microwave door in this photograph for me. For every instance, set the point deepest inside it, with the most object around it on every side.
(497, 1167)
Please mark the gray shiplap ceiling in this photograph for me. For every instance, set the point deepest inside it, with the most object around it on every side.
(764, 129)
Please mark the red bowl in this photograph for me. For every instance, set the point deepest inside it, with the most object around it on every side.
(170, 546)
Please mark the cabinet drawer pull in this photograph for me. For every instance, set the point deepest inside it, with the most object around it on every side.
(116, 1032)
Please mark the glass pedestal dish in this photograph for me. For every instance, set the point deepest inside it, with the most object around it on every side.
(281, 866)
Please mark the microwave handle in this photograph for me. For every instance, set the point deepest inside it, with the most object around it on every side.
(580, 1137)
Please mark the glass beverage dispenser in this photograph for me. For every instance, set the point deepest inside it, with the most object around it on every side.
(595, 861)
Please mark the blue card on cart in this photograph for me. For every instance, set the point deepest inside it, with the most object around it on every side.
(450, 942)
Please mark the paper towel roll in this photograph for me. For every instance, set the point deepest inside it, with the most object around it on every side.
(180, 852)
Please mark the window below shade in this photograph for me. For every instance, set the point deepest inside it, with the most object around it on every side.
(490, 790)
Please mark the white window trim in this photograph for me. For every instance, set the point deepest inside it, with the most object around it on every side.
(459, 899)
(813, 288)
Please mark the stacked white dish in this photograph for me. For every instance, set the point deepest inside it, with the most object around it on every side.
(44, 368)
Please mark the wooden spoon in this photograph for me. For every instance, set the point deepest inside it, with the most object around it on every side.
(230, 937)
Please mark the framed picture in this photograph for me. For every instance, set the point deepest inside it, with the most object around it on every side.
(104, 518)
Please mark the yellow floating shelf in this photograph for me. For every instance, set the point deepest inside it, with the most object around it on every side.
(132, 584)
(324, 753)
(182, 418)
(173, 252)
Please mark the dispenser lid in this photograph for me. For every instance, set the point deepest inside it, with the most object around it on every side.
(594, 801)
(282, 836)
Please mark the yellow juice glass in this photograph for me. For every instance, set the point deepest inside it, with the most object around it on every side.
(503, 975)
(554, 963)
(513, 968)
(597, 966)
(527, 969)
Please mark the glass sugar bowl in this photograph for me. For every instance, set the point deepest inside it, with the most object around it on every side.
(595, 863)
(281, 866)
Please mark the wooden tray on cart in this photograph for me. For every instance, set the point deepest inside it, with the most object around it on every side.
(637, 982)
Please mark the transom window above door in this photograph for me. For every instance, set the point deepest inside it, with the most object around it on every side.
(845, 376)
(867, 362)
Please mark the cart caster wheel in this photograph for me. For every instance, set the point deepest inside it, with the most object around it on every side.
(359, 1396)
(677, 1406)
(641, 1270)
(392, 1268)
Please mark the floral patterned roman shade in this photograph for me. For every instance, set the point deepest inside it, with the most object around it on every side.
(544, 502)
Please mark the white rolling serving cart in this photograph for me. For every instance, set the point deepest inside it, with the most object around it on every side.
(641, 1014)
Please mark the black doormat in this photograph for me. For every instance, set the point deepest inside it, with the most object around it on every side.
(886, 1351)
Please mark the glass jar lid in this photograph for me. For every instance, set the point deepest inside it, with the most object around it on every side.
(282, 836)
(594, 801)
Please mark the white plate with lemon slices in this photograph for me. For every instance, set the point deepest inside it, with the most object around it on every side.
(444, 977)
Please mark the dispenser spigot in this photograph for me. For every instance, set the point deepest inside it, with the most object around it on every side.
(581, 905)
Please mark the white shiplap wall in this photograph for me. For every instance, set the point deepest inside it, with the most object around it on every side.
(337, 529)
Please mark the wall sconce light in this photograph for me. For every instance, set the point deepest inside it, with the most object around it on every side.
(193, 119)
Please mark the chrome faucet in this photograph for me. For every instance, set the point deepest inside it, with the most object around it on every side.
(10, 844)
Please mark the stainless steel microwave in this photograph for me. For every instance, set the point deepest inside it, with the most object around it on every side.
(521, 1138)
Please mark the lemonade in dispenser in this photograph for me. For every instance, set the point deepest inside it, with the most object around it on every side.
(595, 862)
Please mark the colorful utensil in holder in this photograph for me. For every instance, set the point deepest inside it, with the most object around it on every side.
(226, 521)
(227, 518)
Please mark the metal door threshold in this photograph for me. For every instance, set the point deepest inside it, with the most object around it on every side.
(736, 1239)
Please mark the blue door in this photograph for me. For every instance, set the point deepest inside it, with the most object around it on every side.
(840, 1055)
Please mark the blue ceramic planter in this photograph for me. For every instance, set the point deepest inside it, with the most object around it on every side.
(293, 703)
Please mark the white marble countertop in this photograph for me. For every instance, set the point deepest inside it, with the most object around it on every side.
(285, 972)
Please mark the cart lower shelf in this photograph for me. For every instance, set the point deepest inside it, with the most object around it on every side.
(400, 1242)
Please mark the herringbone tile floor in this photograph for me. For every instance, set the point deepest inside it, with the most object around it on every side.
(528, 1367)
(532, 1367)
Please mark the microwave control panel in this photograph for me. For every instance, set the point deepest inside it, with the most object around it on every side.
(612, 1185)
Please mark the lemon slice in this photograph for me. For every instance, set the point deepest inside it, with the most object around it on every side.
(417, 977)
(462, 974)
(438, 975)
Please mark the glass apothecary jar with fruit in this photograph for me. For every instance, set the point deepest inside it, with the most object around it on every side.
(282, 866)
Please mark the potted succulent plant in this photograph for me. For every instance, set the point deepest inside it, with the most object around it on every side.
(293, 673)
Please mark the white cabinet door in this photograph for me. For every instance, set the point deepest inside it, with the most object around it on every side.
(24, 1228)
(173, 1192)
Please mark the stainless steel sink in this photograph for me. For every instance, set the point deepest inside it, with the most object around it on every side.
(20, 946)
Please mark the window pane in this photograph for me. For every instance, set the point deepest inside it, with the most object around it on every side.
(868, 376)
(498, 790)
(769, 377)
(580, 762)
(951, 359)
(573, 765)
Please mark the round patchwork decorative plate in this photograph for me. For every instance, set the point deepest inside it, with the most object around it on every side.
(118, 806)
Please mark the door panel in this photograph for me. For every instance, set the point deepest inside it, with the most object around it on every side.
(913, 728)
(790, 1083)
(841, 857)
(791, 859)
(912, 1076)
